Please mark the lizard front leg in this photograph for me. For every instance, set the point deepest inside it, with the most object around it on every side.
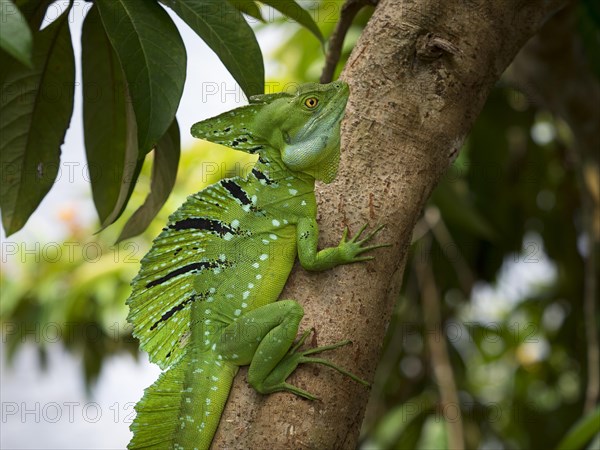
(347, 251)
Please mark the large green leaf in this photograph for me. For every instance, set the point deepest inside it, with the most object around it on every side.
(131, 168)
(35, 110)
(164, 172)
(15, 35)
(226, 32)
(153, 59)
(248, 7)
(34, 11)
(294, 11)
(104, 116)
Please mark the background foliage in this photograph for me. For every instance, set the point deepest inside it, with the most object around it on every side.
(501, 237)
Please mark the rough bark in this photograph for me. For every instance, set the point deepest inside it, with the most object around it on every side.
(419, 76)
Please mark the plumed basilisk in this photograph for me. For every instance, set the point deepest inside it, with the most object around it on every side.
(206, 298)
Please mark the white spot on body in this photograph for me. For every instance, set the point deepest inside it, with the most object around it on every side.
(276, 222)
(293, 191)
(263, 256)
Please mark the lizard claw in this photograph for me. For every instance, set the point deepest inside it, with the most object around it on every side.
(355, 245)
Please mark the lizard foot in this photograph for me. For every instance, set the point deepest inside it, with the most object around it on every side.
(276, 379)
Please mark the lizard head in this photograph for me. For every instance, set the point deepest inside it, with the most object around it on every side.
(300, 130)
(305, 128)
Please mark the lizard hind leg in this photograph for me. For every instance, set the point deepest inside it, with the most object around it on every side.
(264, 339)
(275, 381)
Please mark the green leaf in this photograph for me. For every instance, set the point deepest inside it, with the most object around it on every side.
(15, 35)
(226, 32)
(248, 7)
(34, 11)
(35, 111)
(153, 59)
(104, 116)
(582, 432)
(132, 166)
(164, 172)
(294, 11)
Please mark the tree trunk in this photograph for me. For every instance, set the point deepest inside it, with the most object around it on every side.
(419, 76)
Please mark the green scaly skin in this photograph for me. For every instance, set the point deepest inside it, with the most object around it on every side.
(205, 300)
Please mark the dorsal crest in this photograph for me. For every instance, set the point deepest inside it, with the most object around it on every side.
(231, 129)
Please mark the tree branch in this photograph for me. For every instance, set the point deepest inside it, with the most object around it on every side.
(336, 41)
(407, 117)
(436, 342)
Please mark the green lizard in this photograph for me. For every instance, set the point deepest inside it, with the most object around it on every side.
(205, 299)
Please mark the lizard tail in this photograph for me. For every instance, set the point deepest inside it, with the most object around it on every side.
(157, 412)
(182, 409)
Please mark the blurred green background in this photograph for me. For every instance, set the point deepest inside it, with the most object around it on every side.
(502, 239)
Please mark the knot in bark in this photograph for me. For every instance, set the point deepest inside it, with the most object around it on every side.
(430, 47)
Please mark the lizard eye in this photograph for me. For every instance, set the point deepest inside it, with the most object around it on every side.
(311, 102)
